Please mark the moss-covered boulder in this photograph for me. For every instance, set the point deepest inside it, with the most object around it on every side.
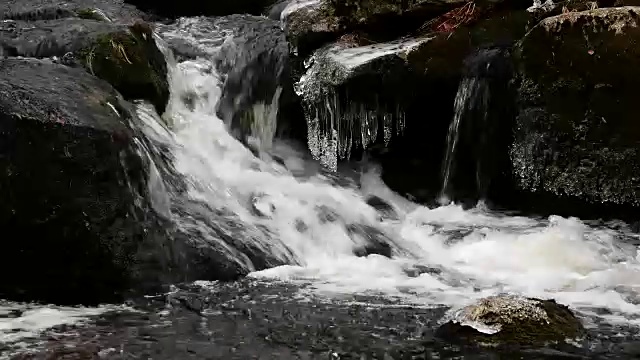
(125, 56)
(511, 320)
(131, 62)
(576, 134)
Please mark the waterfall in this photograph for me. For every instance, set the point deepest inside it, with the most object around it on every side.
(473, 94)
(273, 215)
(479, 126)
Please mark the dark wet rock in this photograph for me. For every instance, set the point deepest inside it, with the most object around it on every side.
(510, 319)
(33, 10)
(384, 208)
(125, 56)
(70, 183)
(251, 53)
(576, 136)
(81, 183)
(355, 96)
(310, 23)
(174, 10)
(369, 241)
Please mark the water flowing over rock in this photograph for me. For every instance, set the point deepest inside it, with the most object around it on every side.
(510, 319)
(479, 133)
(576, 134)
(33, 10)
(354, 97)
(125, 56)
(252, 55)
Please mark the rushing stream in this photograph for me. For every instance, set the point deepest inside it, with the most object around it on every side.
(278, 200)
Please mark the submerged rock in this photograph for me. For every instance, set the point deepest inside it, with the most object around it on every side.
(576, 133)
(509, 319)
(125, 56)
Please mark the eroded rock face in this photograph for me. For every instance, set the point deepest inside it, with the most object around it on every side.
(125, 56)
(510, 319)
(576, 133)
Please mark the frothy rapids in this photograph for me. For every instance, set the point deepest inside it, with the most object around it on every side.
(441, 256)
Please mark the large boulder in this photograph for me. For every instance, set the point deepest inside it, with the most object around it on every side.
(172, 9)
(576, 135)
(356, 96)
(511, 320)
(125, 56)
(71, 181)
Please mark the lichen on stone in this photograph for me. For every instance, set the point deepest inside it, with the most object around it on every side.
(511, 319)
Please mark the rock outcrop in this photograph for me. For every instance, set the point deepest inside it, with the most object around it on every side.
(576, 134)
(511, 320)
(125, 56)
(86, 201)
(72, 179)
(33, 10)
(172, 10)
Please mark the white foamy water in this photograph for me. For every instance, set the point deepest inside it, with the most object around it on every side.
(470, 254)
(442, 256)
(19, 321)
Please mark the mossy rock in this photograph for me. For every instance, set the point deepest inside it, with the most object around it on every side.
(131, 62)
(512, 320)
(576, 133)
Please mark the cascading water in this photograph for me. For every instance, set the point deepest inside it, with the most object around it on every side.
(261, 213)
(472, 93)
(481, 110)
(308, 222)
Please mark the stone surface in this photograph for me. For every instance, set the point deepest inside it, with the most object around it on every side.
(355, 96)
(87, 197)
(69, 187)
(171, 9)
(576, 134)
(125, 56)
(32, 10)
(510, 319)
(252, 56)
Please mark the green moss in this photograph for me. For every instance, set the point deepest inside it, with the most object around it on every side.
(131, 63)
